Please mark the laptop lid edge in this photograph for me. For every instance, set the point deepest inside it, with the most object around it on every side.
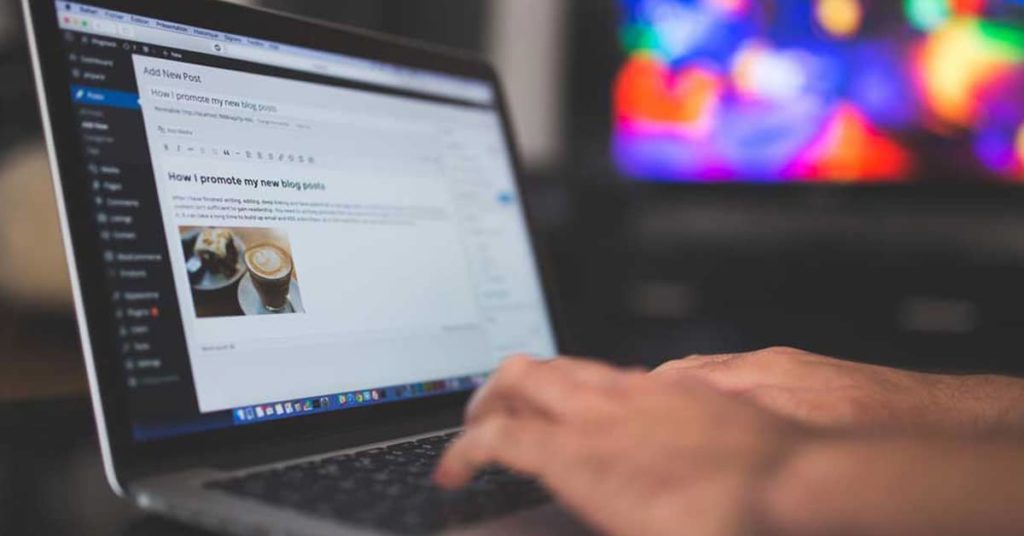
(85, 340)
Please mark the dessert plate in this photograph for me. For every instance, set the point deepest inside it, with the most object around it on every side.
(211, 281)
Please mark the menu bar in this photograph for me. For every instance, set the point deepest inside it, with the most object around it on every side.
(125, 211)
(104, 22)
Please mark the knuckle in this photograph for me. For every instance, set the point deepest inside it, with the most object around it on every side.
(512, 370)
(520, 357)
(803, 358)
(517, 365)
(781, 355)
(785, 351)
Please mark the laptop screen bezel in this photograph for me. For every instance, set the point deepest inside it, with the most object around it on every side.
(132, 459)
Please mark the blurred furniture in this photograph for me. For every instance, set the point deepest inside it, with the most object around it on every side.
(33, 270)
(37, 331)
(38, 343)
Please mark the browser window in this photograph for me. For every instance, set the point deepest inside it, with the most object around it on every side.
(291, 231)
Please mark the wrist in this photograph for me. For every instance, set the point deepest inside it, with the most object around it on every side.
(775, 501)
(808, 492)
(783, 490)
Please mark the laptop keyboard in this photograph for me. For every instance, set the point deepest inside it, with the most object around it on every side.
(388, 488)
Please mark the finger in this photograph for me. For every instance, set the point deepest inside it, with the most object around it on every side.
(521, 444)
(506, 389)
(555, 390)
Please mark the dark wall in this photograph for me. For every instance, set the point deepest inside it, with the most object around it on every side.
(19, 119)
(453, 23)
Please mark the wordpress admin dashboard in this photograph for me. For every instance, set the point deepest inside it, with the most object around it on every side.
(324, 223)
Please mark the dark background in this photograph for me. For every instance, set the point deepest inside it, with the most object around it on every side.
(919, 278)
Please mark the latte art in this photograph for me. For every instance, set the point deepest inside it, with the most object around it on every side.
(268, 262)
(271, 271)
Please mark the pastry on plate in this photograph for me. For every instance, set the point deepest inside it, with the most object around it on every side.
(216, 249)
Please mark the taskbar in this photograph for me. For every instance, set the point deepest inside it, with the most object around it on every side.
(272, 411)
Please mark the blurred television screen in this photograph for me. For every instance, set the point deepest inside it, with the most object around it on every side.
(836, 91)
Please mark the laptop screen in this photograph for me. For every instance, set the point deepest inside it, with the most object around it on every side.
(288, 231)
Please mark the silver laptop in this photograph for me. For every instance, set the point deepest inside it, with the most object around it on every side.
(296, 249)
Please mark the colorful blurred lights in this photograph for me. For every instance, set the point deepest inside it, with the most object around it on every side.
(1020, 146)
(762, 91)
(926, 15)
(649, 95)
(969, 7)
(732, 7)
(761, 72)
(850, 149)
(679, 28)
(959, 59)
(840, 18)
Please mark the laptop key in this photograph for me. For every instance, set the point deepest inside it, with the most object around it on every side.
(388, 488)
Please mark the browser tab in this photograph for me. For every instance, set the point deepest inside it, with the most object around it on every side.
(357, 70)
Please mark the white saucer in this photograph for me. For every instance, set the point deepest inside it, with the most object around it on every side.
(249, 299)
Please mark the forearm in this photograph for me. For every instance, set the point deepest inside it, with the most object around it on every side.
(835, 394)
(989, 404)
(904, 486)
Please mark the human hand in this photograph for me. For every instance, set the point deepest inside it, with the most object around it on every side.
(826, 392)
(627, 452)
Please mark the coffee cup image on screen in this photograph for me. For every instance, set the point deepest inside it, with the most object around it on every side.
(240, 271)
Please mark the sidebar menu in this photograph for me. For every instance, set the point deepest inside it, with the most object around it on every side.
(151, 348)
